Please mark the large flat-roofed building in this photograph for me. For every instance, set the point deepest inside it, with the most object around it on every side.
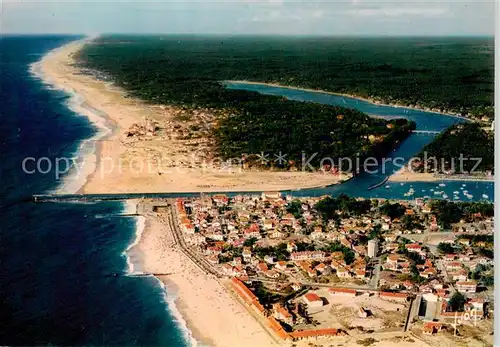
(372, 248)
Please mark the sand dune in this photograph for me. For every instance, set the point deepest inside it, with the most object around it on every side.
(131, 158)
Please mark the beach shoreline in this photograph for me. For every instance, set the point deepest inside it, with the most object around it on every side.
(408, 176)
(137, 264)
(88, 150)
(405, 175)
(191, 294)
(118, 163)
(203, 307)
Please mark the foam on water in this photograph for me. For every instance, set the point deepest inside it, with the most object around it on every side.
(84, 161)
(169, 298)
(139, 229)
(129, 207)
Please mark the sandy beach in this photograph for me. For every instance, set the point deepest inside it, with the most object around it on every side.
(150, 148)
(145, 148)
(212, 315)
(405, 175)
(210, 310)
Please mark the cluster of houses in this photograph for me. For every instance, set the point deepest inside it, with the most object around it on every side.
(443, 275)
(218, 225)
(230, 232)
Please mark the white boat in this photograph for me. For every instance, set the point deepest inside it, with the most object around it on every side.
(409, 193)
(469, 196)
(445, 196)
(456, 192)
(388, 186)
(432, 189)
(485, 196)
(456, 197)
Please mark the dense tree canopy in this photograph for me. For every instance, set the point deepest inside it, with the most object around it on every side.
(445, 248)
(465, 140)
(306, 132)
(454, 74)
(295, 208)
(457, 302)
(329, 206)
(187, 71)
(448, 212)
(392, 210)
(280, 251)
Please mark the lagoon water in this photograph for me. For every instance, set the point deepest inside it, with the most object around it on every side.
(359, 185)
(57, 261)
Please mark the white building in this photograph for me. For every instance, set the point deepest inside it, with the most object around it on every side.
(372, 248)
(313, 300)
(466, 287)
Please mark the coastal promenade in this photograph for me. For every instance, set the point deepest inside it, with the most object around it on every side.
(198, 291)
(195, 257)
(200, 261)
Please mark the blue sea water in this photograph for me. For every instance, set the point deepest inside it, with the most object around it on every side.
(57, 260)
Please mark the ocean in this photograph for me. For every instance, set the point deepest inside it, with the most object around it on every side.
(58, 261)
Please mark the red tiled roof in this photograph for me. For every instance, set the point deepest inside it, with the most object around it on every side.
(259, 307)
(311, 333)
(284, 312)
(277, 328)
(432, 324)
(243, 291)
(262, 266)
(312, 297)
(342, 290)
